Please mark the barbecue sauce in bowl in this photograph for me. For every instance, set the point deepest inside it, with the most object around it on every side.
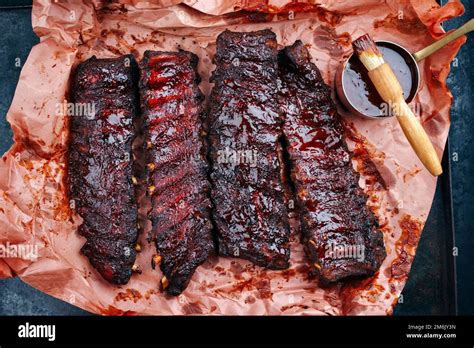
(359, 89)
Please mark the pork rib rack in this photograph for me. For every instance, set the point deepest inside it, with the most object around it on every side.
(172, 107)
(245, 150)
(340, 232)
(100, 163)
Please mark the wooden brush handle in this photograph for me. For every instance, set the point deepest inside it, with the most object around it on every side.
(419, 140)
(425, 52)
(391, 92)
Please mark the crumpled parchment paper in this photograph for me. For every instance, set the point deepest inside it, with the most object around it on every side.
(34, 209)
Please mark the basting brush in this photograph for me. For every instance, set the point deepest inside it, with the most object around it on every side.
(389, 89)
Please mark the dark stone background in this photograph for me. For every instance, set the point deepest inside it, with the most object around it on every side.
(433, 285)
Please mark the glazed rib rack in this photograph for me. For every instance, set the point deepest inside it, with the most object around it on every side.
(341, 234)
(245, 150)
(100, 163)
(172, 107)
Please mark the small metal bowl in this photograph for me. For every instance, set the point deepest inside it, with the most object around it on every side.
(409, 60)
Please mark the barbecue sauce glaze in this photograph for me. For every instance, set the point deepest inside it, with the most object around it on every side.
(360, 90)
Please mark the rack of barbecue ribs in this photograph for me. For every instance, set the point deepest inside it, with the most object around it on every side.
(340, 232)
(100, 163)
(172, 107)
(245, 150)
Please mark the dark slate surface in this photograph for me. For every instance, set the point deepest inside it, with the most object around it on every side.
(461, 135)
(430, 289)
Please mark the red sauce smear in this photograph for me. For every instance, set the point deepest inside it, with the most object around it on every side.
(405, 247)
(129, 295)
